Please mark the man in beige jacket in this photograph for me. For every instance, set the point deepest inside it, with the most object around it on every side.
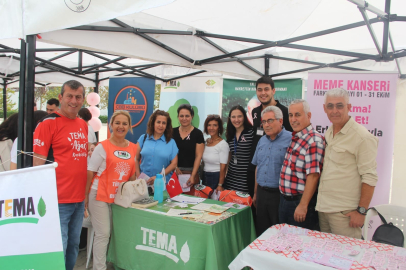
(349, 174)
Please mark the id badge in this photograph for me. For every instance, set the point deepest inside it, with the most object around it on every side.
(260, 131)
(235, 160)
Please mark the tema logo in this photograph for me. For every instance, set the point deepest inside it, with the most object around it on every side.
(133, 100)
(77, 5)
(21, 210)
(172, 84)
(163, 244)
(210, 82)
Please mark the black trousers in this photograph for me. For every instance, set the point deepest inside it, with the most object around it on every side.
(267, 208)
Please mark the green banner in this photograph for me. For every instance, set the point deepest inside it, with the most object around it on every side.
(242, 92)
(150, 240)
(44, 261)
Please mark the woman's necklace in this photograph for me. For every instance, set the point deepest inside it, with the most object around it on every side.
(211, 141)
(186, 131)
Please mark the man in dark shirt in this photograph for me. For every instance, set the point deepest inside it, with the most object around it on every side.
(265, 93)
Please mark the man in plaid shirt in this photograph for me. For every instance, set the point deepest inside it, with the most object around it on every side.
(301, 170)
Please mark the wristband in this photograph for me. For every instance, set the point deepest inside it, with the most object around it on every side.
(220, 185)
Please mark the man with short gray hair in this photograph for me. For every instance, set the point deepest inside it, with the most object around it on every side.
(268, 158)
(301, 170)
(349, 175)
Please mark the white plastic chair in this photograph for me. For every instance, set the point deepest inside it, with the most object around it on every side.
(392, 213)
(90, 237)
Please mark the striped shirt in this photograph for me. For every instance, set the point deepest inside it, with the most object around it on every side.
(236, 178)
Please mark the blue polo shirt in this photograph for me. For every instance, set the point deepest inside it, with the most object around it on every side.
(269, 156)
(156, 154)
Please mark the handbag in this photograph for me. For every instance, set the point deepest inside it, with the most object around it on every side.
(131, 191)
(388, 233)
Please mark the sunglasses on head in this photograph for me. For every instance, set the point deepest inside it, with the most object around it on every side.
(213, 115)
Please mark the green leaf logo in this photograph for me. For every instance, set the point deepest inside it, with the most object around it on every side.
(178, 83)
(210, 82)
(42, 208)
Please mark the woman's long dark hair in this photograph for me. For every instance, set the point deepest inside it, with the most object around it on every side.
(9, 128)
(230, 131)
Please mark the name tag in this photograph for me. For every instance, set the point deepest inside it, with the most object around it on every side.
(260, 131)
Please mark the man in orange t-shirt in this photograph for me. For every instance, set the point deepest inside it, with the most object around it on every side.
(62, 137)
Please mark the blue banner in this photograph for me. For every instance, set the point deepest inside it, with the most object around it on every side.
(135, 95)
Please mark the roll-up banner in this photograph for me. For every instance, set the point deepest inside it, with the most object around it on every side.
(29, 220)
(135, 95)
(202, 93)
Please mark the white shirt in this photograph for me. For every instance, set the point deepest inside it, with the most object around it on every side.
(14, 151)
(214, 155)
(91, 135)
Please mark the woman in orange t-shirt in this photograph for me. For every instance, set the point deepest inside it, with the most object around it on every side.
(113, 161)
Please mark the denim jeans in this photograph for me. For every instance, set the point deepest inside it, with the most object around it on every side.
(71, 219)
(211, 179)
(287, 211)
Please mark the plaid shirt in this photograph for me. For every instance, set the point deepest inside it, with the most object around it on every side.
(304, 156)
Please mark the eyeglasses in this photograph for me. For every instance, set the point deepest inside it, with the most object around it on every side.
(269, 121)
(213, 116)
(339, 106)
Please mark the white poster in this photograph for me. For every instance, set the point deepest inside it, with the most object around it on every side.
(372, 96)
(202, 93)
(29, 220)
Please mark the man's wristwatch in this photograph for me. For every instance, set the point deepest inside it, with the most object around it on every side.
(220, 185)
(362, 210)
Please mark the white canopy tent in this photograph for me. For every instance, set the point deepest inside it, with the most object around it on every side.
(280, 38)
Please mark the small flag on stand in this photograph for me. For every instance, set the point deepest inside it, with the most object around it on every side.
(173, 187)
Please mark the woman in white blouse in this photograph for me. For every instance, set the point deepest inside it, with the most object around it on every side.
(215, 155)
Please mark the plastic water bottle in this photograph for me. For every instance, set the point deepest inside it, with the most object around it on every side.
(159, 188)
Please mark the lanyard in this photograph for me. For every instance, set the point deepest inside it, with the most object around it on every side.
(235, 144)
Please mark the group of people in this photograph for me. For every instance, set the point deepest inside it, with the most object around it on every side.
(293, 174)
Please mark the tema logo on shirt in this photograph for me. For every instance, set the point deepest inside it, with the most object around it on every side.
(133, 100)
(21, 210)
(122, 154)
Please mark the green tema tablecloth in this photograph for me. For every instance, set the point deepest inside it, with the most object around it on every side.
(146, 240)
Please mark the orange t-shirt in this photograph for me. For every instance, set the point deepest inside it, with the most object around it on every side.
(64, 140)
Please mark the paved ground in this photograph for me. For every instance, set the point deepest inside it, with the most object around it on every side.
(81, 262)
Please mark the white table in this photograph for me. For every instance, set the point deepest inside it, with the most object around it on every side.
(257, 259)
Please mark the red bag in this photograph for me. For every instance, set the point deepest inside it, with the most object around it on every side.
(201, 191)
(235, 197)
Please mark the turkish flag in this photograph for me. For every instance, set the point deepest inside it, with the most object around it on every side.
(173, 187)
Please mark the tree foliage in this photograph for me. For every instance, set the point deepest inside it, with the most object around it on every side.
(10, 103)
(157, 96)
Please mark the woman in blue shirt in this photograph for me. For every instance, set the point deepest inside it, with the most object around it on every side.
(156, 148)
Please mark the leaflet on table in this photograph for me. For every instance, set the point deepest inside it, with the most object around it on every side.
(213, 218)
(234, 205)
(186, 199)
(214, 208)
(183, 178)
(326, 258)
(184, 213)
(176, 204)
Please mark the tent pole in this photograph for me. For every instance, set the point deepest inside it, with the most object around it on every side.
(29, 98)
(4, 100)
(96, 90)
(386, 28)
(266, 65)
(371, 30)
(21, 106)
(80, 61)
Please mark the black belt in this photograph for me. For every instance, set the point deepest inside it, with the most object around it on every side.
(269, 189)
(292, 198)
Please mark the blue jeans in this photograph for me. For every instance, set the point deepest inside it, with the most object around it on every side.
(287, 211)
(71, 218)
(211, 179)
